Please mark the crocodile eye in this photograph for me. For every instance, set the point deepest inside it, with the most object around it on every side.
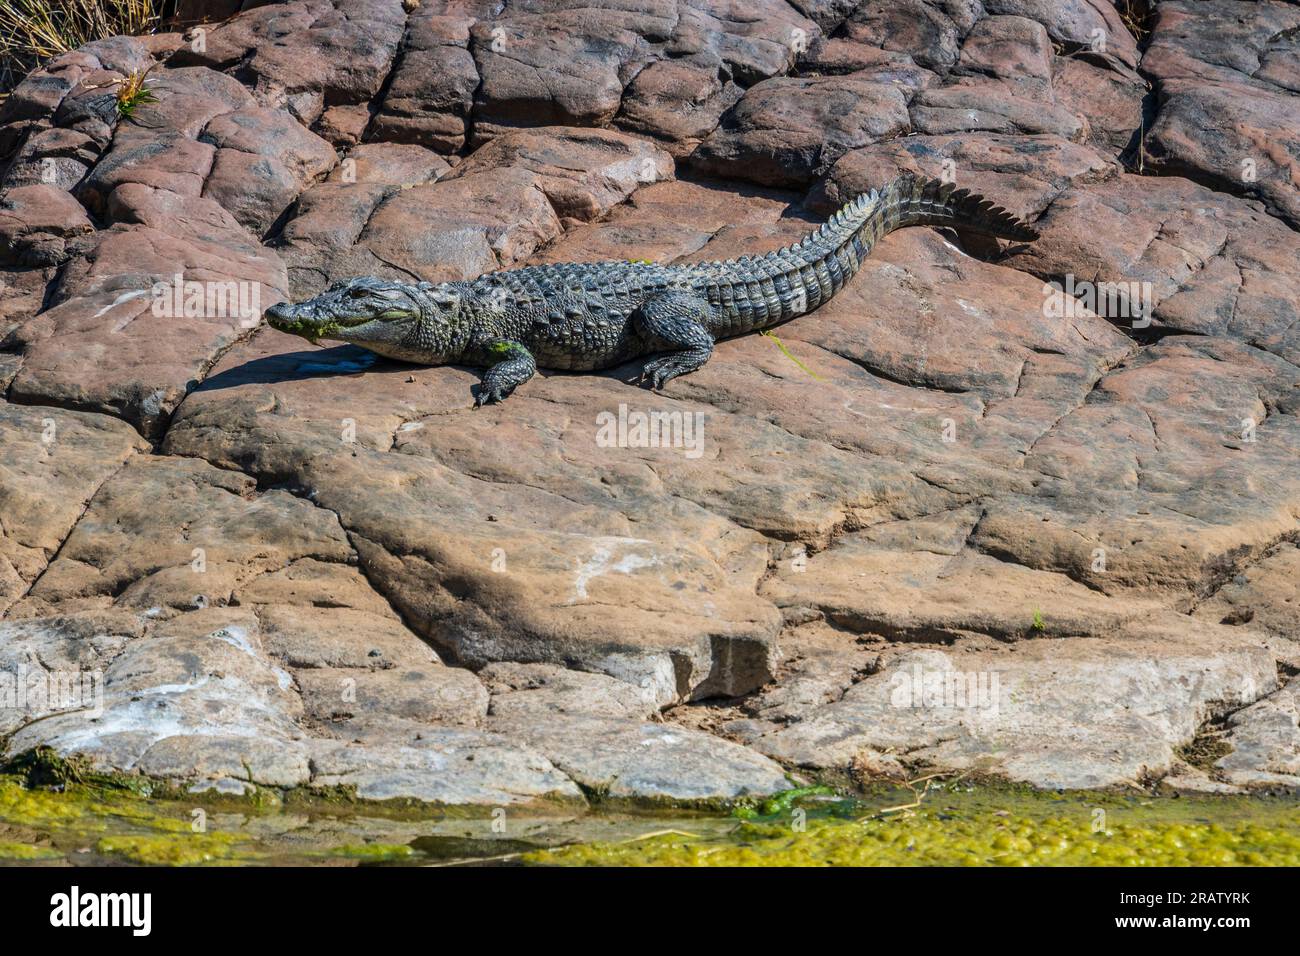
(357, 293)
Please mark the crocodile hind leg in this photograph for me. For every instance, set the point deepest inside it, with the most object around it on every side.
(673, 322)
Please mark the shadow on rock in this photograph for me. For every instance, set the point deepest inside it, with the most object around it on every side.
(293, 366)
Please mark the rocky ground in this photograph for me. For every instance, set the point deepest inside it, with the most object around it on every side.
(955, 519)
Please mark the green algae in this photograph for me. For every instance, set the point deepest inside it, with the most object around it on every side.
(170, 849)
(27, 852)
(118, 823)
(80, 807)
(784, 801)
(777, 803)
(989, 827)
(373, 852)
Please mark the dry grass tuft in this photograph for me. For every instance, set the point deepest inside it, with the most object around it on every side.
(32, 31)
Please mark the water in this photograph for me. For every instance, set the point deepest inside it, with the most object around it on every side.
(949, 824)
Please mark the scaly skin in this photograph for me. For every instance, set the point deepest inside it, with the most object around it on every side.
(585, 316)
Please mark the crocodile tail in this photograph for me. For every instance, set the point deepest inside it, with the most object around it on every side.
(916, 201)
(760, 291)
(817, 267)
(909, 200)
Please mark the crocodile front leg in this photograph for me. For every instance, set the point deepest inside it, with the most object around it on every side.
(674, 322)
(511, 365)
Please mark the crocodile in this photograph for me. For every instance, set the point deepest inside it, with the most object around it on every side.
(595, 315)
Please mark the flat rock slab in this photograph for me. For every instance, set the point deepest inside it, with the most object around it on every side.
(1264, 595)
(448, 766)
(537, 691)
(618, 759)
(52, 462)
(172, 533)
(1265, 742)
(544, 561)
(1068, 714)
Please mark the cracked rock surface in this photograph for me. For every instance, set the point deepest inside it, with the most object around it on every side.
(967, 516)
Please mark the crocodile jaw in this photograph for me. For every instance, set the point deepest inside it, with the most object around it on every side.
(359, 310)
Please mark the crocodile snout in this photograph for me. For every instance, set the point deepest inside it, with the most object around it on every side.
(280, 312)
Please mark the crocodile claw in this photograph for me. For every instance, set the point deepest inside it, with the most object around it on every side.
(661, 371)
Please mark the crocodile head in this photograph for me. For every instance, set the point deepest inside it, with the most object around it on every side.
(416, 323)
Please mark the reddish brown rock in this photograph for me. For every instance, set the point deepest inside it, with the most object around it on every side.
(783, 132)
(53, 157)
(757, 40)
(458, 229)
(678, 102)
(432, 90)
(319, 243)
(493, 209)
(1211, 263)
(582, 173)
(40, 226)
(343, 126)
(158, 145)
(1109, 101)
(1025, 172)
(33, 103)
(106, 346)
(928, 30)
(587, 57)
(972, 104)
(128, 549)
(389, 164)
(1095, 24)
(840, 57)
(1012, 49)
(264, 160)
(22, 295)
(305, 52)
(185, 101)
(171, 162)
(667, 221)
(1218, 60)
